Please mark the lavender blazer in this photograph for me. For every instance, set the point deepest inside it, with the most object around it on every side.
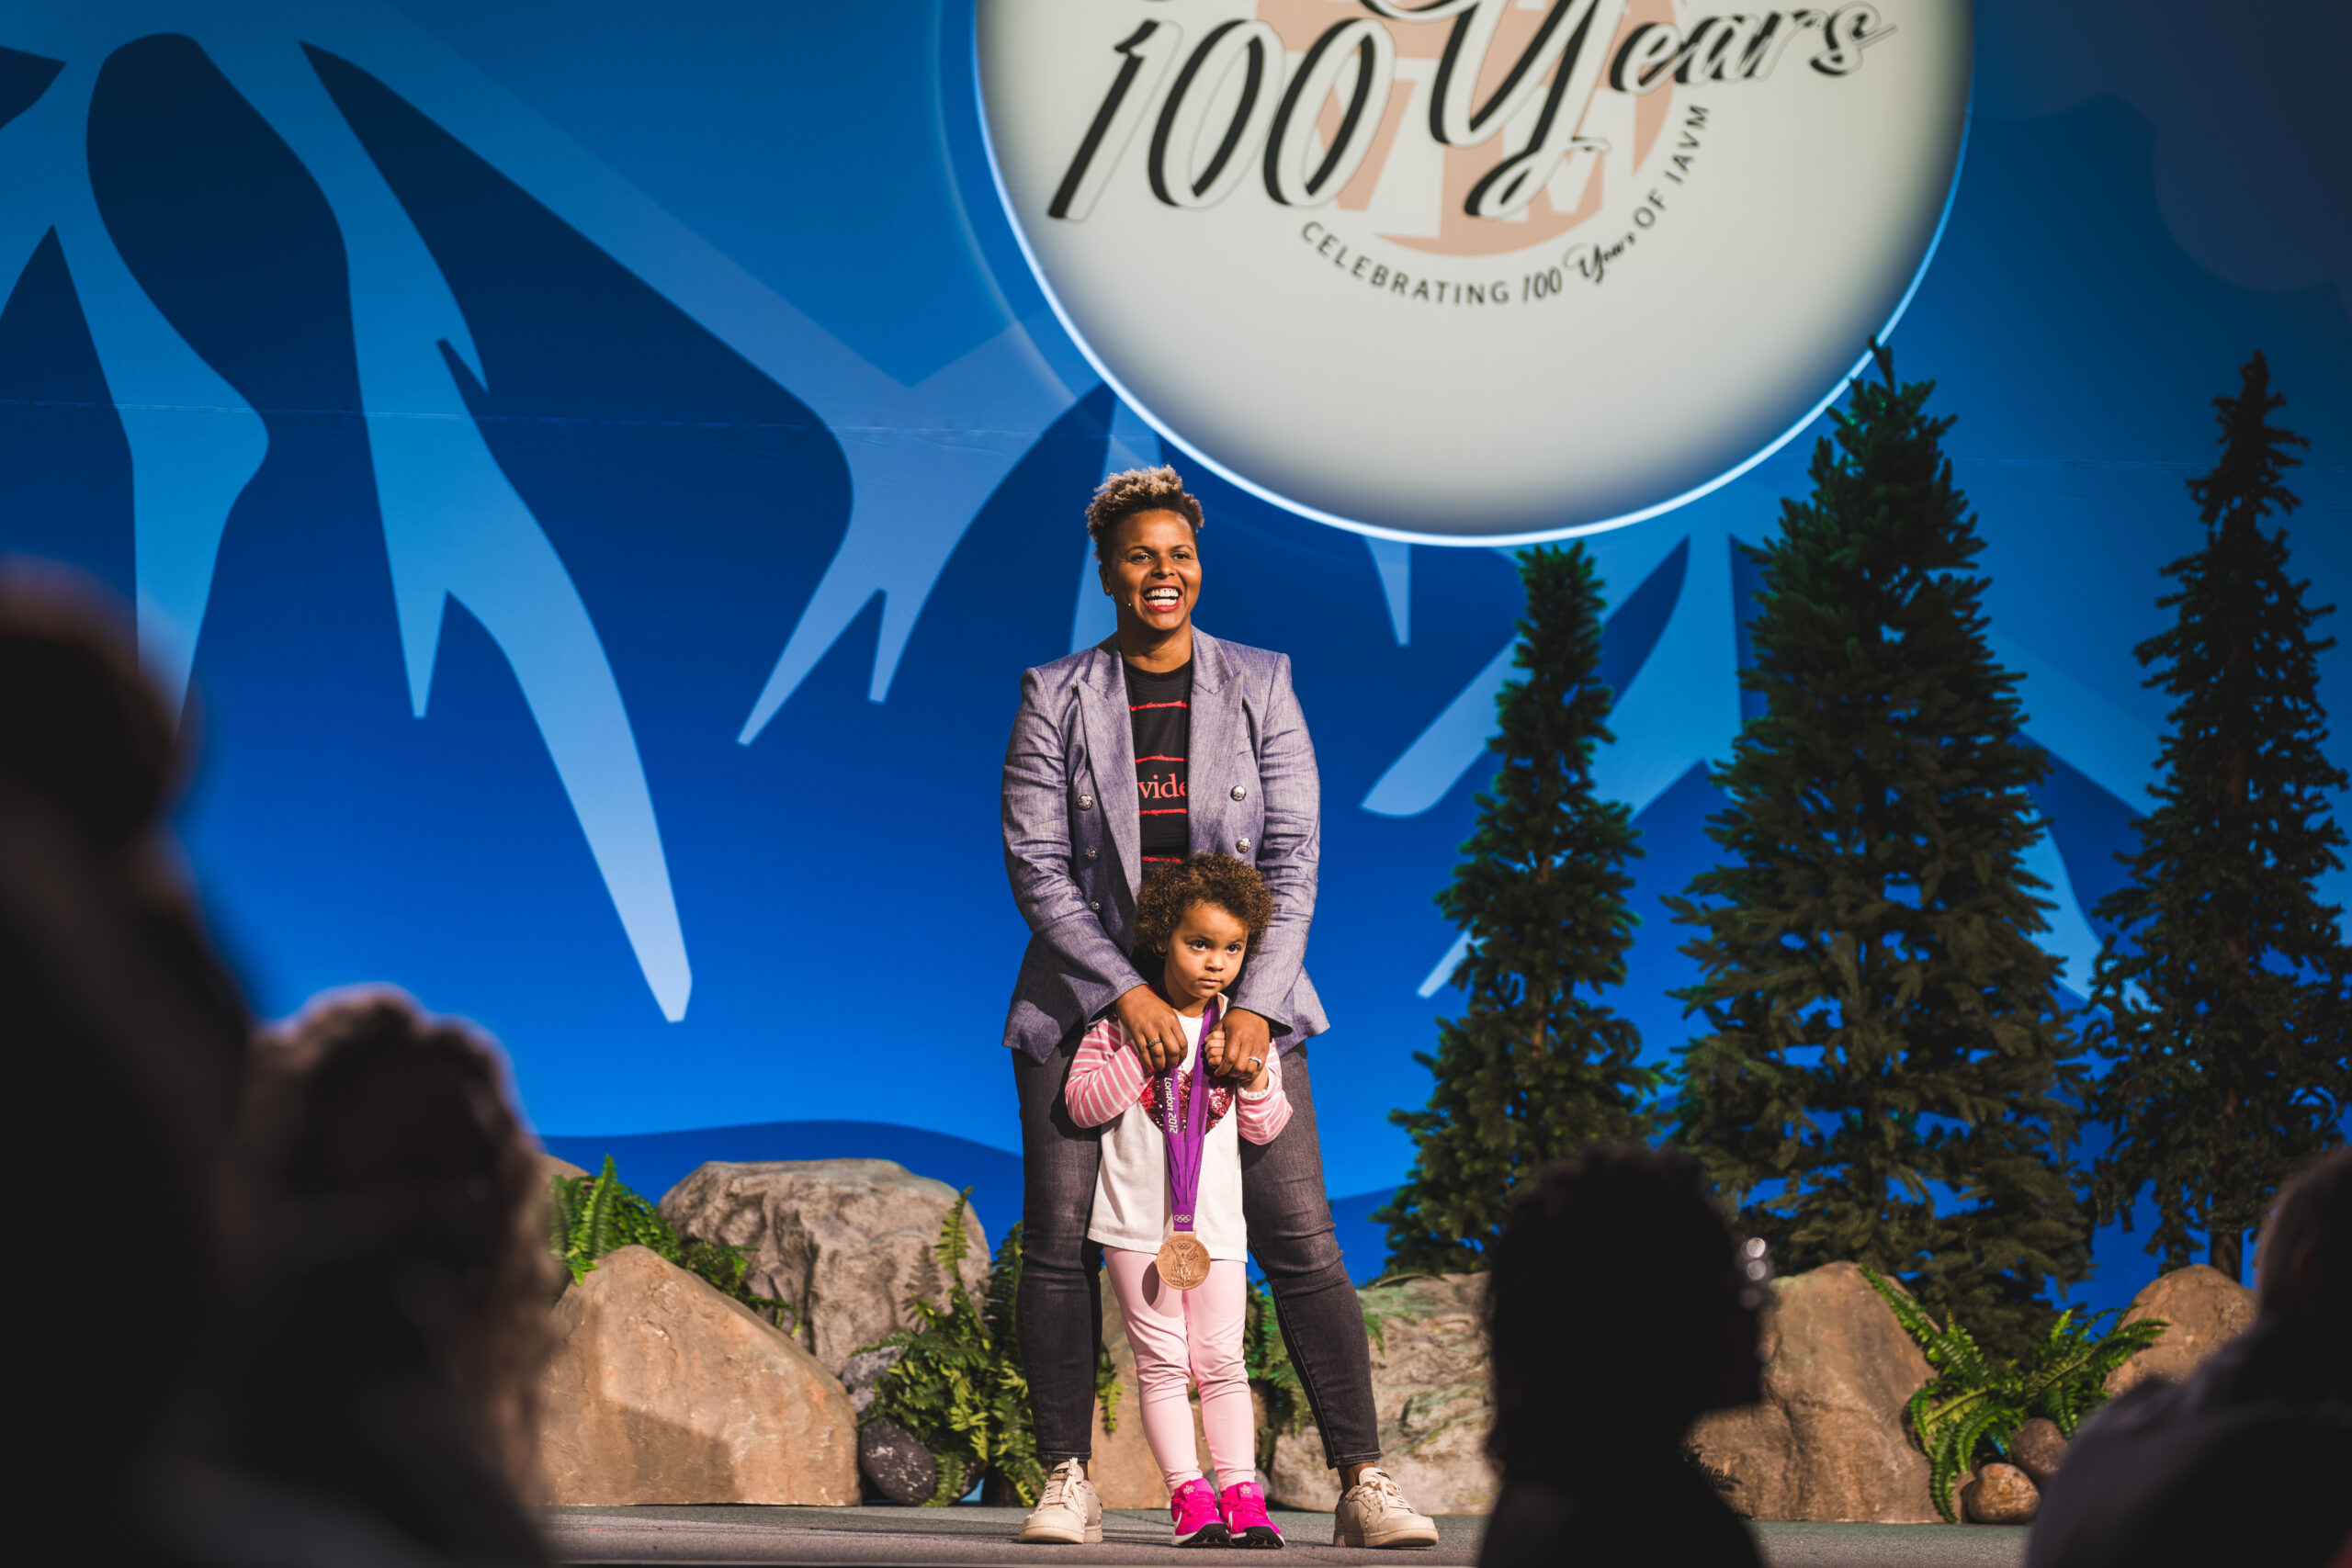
(1072, 840)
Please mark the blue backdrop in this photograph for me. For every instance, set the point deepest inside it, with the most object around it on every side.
(599, 476)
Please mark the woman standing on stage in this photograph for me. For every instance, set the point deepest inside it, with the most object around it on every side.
(1209, 734)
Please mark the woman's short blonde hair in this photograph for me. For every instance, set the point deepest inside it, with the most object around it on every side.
(1137, 491)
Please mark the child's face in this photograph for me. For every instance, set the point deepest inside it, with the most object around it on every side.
(1203, 956)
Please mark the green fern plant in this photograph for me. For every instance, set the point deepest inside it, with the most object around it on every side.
(597, 1215)
(2066, 1375)
(589, 1216)
(1977, 1402)
(958, 1384)
(1265, 1355)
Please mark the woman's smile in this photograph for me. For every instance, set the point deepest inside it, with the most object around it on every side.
(1152, 572)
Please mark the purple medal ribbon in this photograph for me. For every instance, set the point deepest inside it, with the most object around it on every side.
(1185, 1147)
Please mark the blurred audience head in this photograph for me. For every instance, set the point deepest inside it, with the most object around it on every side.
(1616, 1290)
(328, 1260)
(397, 1272)
(81, 725)
(127, 1040)
(2303, 1262)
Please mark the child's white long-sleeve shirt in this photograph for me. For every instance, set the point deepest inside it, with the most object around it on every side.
(1109, 1083)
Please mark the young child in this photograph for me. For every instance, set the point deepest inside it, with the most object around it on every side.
(1202, 918)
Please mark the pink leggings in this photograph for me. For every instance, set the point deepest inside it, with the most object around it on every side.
(1199, 1331)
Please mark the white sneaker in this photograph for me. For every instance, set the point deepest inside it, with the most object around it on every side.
(1373, 1513)
(1071, 1512)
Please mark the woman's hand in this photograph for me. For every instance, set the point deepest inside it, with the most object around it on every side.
(1153, 1028)
(1255, 1083)
(1239, 1047)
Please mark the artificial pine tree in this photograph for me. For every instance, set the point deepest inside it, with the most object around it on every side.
(1880, 1077)
(1534, 1067)
(2223, 987)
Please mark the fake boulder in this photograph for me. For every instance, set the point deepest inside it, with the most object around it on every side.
(552, 1166)
(661, 1390)
(2000, 1494)
(845, 1241)
(1828, 1441)
(2039, 1449)
(894, 1463)
(2204, 1309)
(1430, 1394)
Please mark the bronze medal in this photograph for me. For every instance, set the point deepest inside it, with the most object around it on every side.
(1184, 1261)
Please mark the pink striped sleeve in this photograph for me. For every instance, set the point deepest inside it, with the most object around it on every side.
(1259, 1120)
(1106, 1078)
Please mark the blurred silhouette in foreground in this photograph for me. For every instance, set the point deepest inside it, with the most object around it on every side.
(126, 1040)
(1620, 1309)
(390, 1303)
(2249, 1458)
(301, 1321)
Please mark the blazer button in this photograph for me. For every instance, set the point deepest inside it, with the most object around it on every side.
(1241, 793)
(1091, 853)
(1086, 803)
(1096, 907)
(1242, 845)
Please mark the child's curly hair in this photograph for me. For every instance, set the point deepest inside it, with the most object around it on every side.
(1232, 884)
(1136, 492)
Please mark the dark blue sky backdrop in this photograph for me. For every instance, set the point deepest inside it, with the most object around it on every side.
(2147, 196)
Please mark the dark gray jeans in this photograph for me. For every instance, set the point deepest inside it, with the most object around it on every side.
(1290, 1234)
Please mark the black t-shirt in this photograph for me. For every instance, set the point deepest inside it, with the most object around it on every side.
(1160, 707)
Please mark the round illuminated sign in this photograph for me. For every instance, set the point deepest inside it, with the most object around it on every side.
(1475, 270)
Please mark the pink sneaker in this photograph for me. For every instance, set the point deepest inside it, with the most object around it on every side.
(1244, 1507)
(1194, 1507)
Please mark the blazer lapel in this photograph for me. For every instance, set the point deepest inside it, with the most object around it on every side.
(1216, 724)
(1111, 742)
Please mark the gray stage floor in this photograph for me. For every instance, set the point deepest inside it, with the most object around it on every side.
(917, 1537)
